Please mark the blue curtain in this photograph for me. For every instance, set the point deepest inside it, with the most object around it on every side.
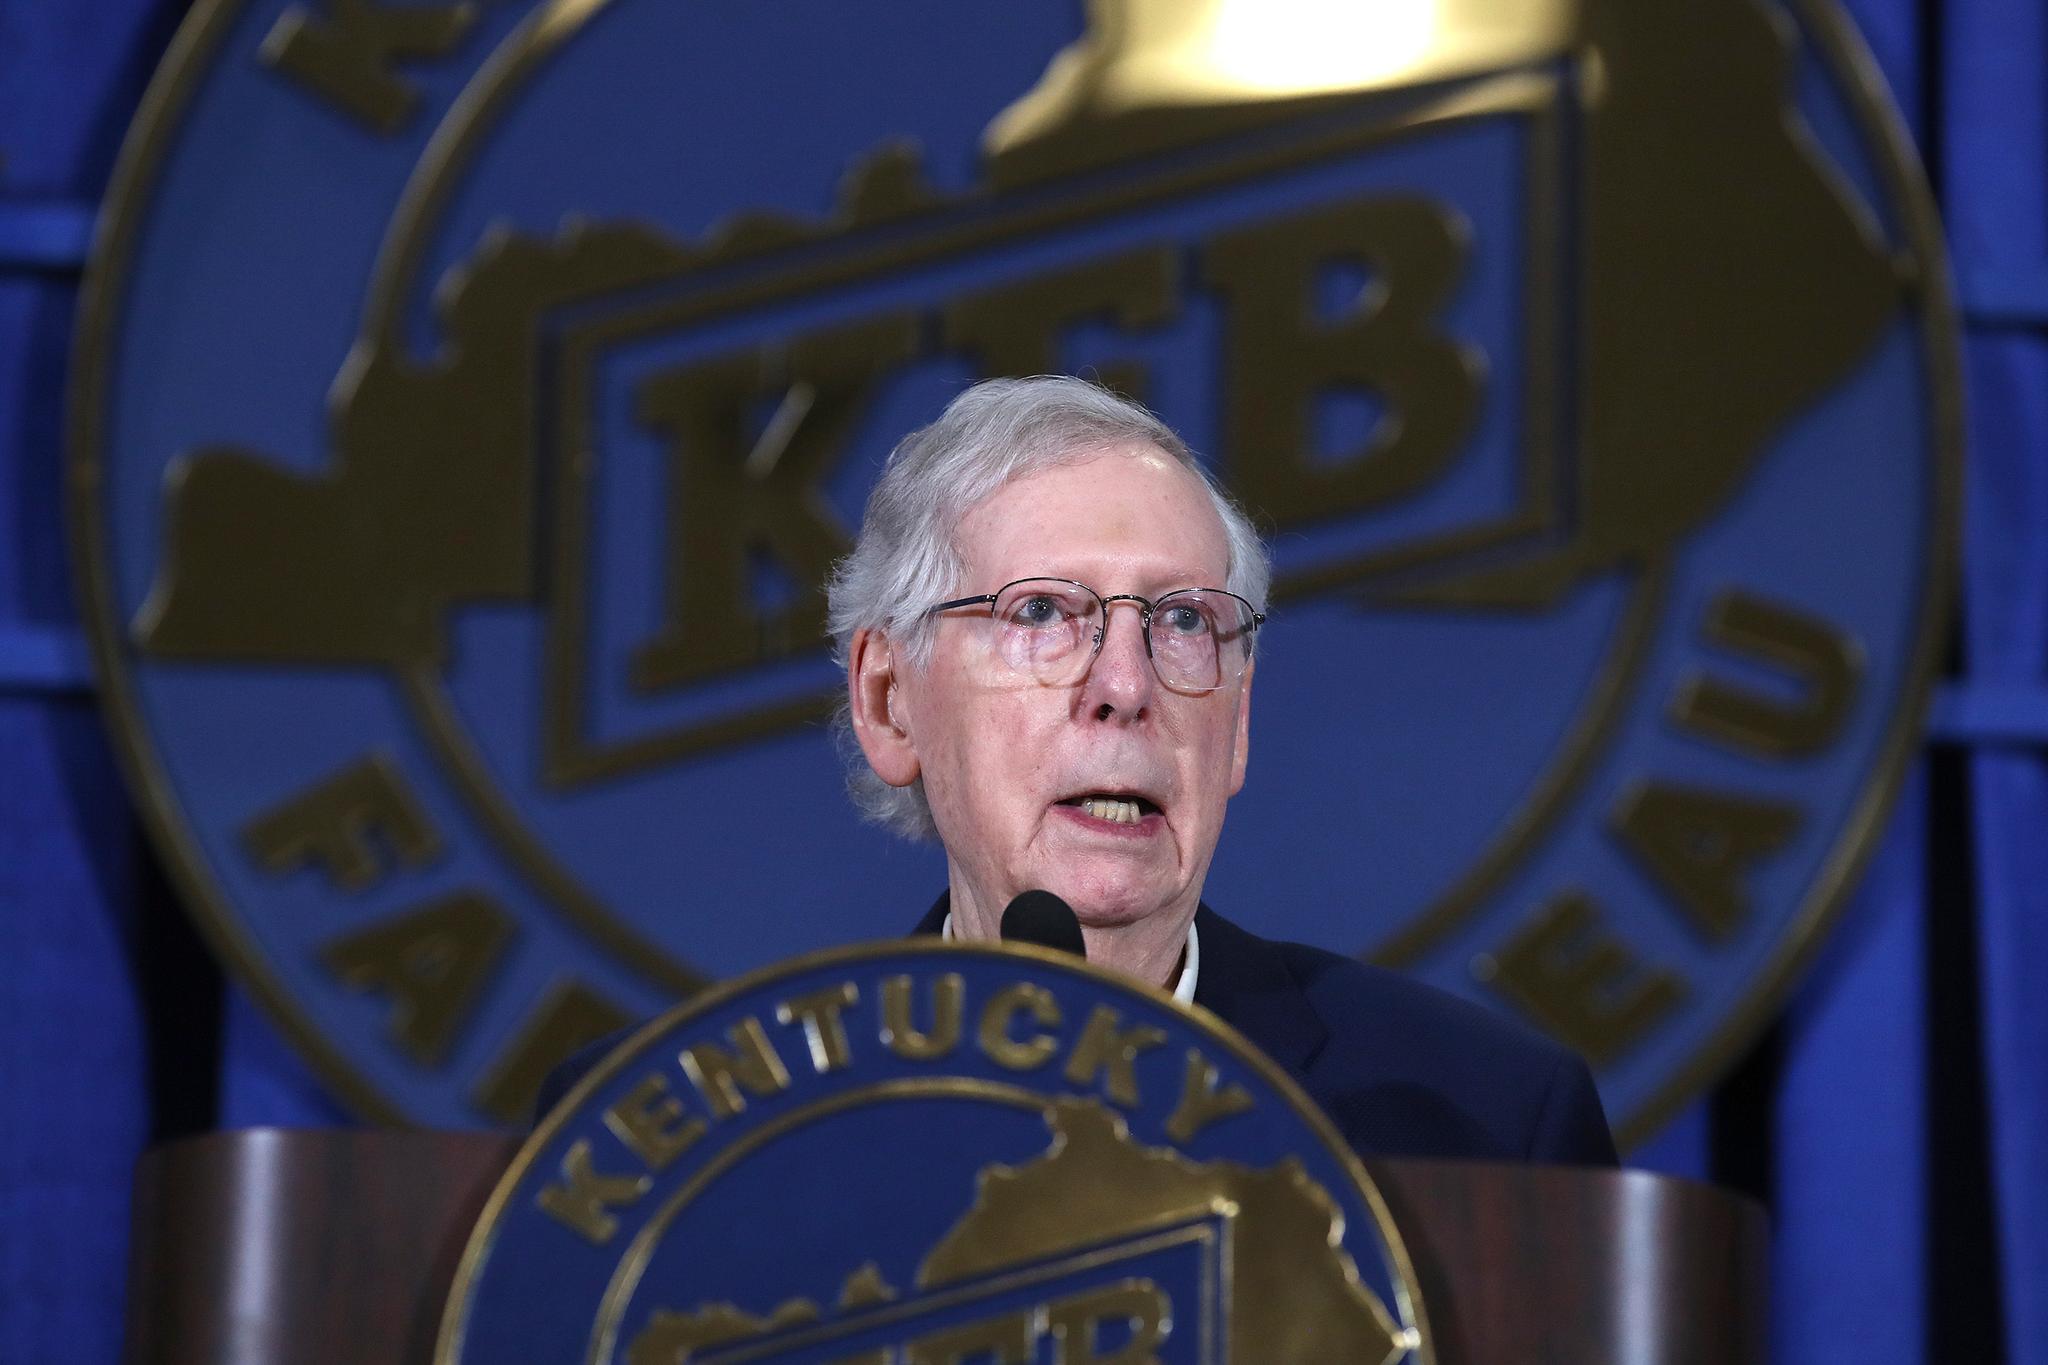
(1895, 1120)
(76, 1098)
(1995, 153)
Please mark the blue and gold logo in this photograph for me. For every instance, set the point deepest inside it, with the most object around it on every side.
(471, 399)
(931, 1154)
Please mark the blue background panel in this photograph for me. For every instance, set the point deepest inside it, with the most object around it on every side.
(1895, 1120)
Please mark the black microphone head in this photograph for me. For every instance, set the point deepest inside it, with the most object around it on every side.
(1042, 918)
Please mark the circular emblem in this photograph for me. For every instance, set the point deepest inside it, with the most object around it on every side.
(471, 400)
(935, 1152)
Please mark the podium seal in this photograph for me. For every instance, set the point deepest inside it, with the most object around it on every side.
(935, 1154)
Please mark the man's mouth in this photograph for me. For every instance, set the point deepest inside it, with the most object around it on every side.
(1114, 807)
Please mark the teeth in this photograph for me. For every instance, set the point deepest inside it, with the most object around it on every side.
(1112, 808)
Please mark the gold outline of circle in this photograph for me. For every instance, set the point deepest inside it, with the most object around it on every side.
(448, 1341)
(1848, 61)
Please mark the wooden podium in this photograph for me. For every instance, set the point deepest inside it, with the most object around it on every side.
(274, 1247)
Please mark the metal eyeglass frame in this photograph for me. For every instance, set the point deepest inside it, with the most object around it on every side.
(1146, 607)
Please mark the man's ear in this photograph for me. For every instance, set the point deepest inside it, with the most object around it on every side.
(872, 680)
(1243, 748)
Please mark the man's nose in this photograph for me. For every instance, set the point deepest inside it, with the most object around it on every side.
(1120, 682)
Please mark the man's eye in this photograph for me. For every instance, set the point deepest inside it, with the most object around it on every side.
(1184, 620)
(1038, 611)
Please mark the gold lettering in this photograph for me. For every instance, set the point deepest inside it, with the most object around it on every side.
(432, 962)
(1580, 982)
(823, 1027)
(752, 1063)
(330, 823)
(1699, 844)
(1282, 360)
(649, 1121)
(569, 1015)
(581, 1200)
(1015, 330)
(346, 58)
(734, 499)
(1201, 1103)
(900, 1035)
(1076, 1324)
(996, 1017)
(1825, 663)
(1007, 1340)
(1105, 1049)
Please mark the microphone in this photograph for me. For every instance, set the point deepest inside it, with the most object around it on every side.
(1042, 918)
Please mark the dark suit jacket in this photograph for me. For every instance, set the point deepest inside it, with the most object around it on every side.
(1403, 1068)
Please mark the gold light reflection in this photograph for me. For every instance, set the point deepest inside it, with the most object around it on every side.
(1161, 54)
(1286, 47)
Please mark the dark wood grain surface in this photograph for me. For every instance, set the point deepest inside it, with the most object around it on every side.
(1553, 1265)
(272, 1247)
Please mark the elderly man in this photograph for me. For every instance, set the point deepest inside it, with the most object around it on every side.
(1048, 627)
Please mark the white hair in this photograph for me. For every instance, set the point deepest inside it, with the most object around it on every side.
(906, 559)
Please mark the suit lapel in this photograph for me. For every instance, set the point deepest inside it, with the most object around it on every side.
(1245, 980)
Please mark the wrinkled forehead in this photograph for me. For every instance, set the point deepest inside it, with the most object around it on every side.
(1133, 509)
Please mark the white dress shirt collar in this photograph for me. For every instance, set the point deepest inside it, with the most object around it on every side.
(1183, 989)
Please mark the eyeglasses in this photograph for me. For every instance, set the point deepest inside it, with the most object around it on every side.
(1051, 629)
